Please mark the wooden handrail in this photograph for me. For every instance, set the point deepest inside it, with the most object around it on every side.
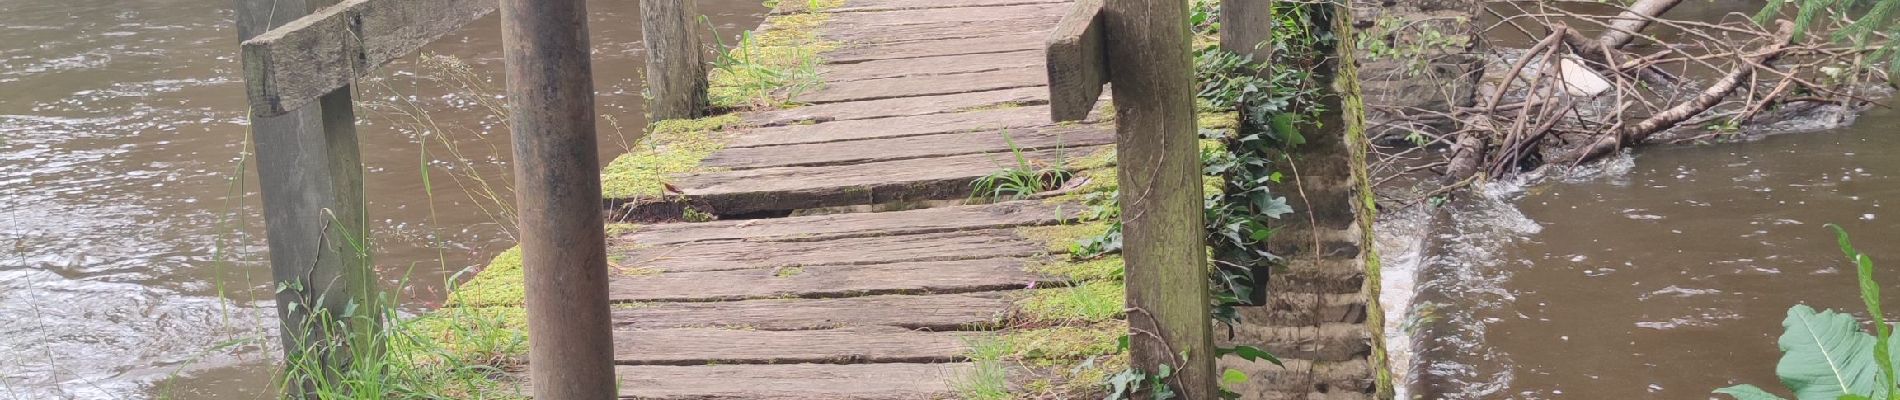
(292, 65)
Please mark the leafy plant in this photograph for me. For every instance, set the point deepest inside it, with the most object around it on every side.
(1021, 180)
(1825, 355)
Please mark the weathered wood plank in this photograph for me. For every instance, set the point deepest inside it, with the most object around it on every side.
(999, 43)
(790, 7)
(911, 147)
(942, 312)
(923, 66)
(762, 257)
(899, 107)
(870, 35)
(927, 85)
(831, 281)
(851, 345)
(1027, 117)
(790, 382)
(1077, 65)
(944, 15)
(793, 188)
(290, 66)
(838, 226)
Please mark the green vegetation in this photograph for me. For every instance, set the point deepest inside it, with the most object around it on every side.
(768, 68)
(1023, 179)
(1826, 355)
(500, 284)
(673, 147)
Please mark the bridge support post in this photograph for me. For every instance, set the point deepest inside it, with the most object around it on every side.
(1142, 46)
(310, 173)
(557, 178)
(676, 64)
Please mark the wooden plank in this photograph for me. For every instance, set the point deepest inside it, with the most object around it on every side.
(1027, 117)
(1078, 66)
(290, 66)
(791, 382)
(921, 66)
(832, 281)
(899, 107)
(945, 15)
(927, 85)
(763, 257)
(675, 61)
(793, 188)
(998, 43)
(791, 7)
(836, 226)
(941, 312)
(851, 345)
(911, 147)
(870, 35)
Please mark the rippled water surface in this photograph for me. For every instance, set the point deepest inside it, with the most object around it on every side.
(1666, 276)
(130, 257)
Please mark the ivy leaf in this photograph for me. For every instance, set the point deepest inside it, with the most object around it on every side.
(1272, 207)
(1248, 353)
(1233, 377)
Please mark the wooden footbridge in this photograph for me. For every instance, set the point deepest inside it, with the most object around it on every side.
(784, 305)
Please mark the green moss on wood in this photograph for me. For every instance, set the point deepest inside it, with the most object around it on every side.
(1109, 268)
(1058, 238)
(673, 147)
(1088, 302)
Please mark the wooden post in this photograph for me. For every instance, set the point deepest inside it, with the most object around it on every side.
(676, 64)
(311, 176)
(1245, 25)
(557, 177)
(1143, 46)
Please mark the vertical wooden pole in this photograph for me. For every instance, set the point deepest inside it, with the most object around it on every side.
(311, 175)
(1150, 65)
(557, 178)
(676, 64)
(1245, 25)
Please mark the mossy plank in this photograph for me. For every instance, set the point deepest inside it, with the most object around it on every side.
(941, 312)
(912, 147)
(993, 119)
(835, 226)
(793, 188)
(882, 34)
(899, 381)
(851, 345)
(832, 281)
(925, 85)
(921, 16)
(748, 255)
(892, 5)
(898, 107)
(1010, 41)
(927, 66)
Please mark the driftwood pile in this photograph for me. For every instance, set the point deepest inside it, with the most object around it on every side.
(1571, 98)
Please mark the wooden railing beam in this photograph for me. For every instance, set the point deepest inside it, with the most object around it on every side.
(292, 65)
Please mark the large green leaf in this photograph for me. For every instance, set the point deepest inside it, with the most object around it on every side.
(1747, 392)
(1825, 355)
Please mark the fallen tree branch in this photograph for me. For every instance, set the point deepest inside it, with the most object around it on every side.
(1641, 131)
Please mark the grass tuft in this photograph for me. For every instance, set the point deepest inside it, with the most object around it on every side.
(1088, 302)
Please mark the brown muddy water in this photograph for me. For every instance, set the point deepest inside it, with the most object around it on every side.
(131, 261)
(1663, 275)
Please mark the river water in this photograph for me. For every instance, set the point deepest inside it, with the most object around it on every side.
(131, 259)
(1663, 275)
